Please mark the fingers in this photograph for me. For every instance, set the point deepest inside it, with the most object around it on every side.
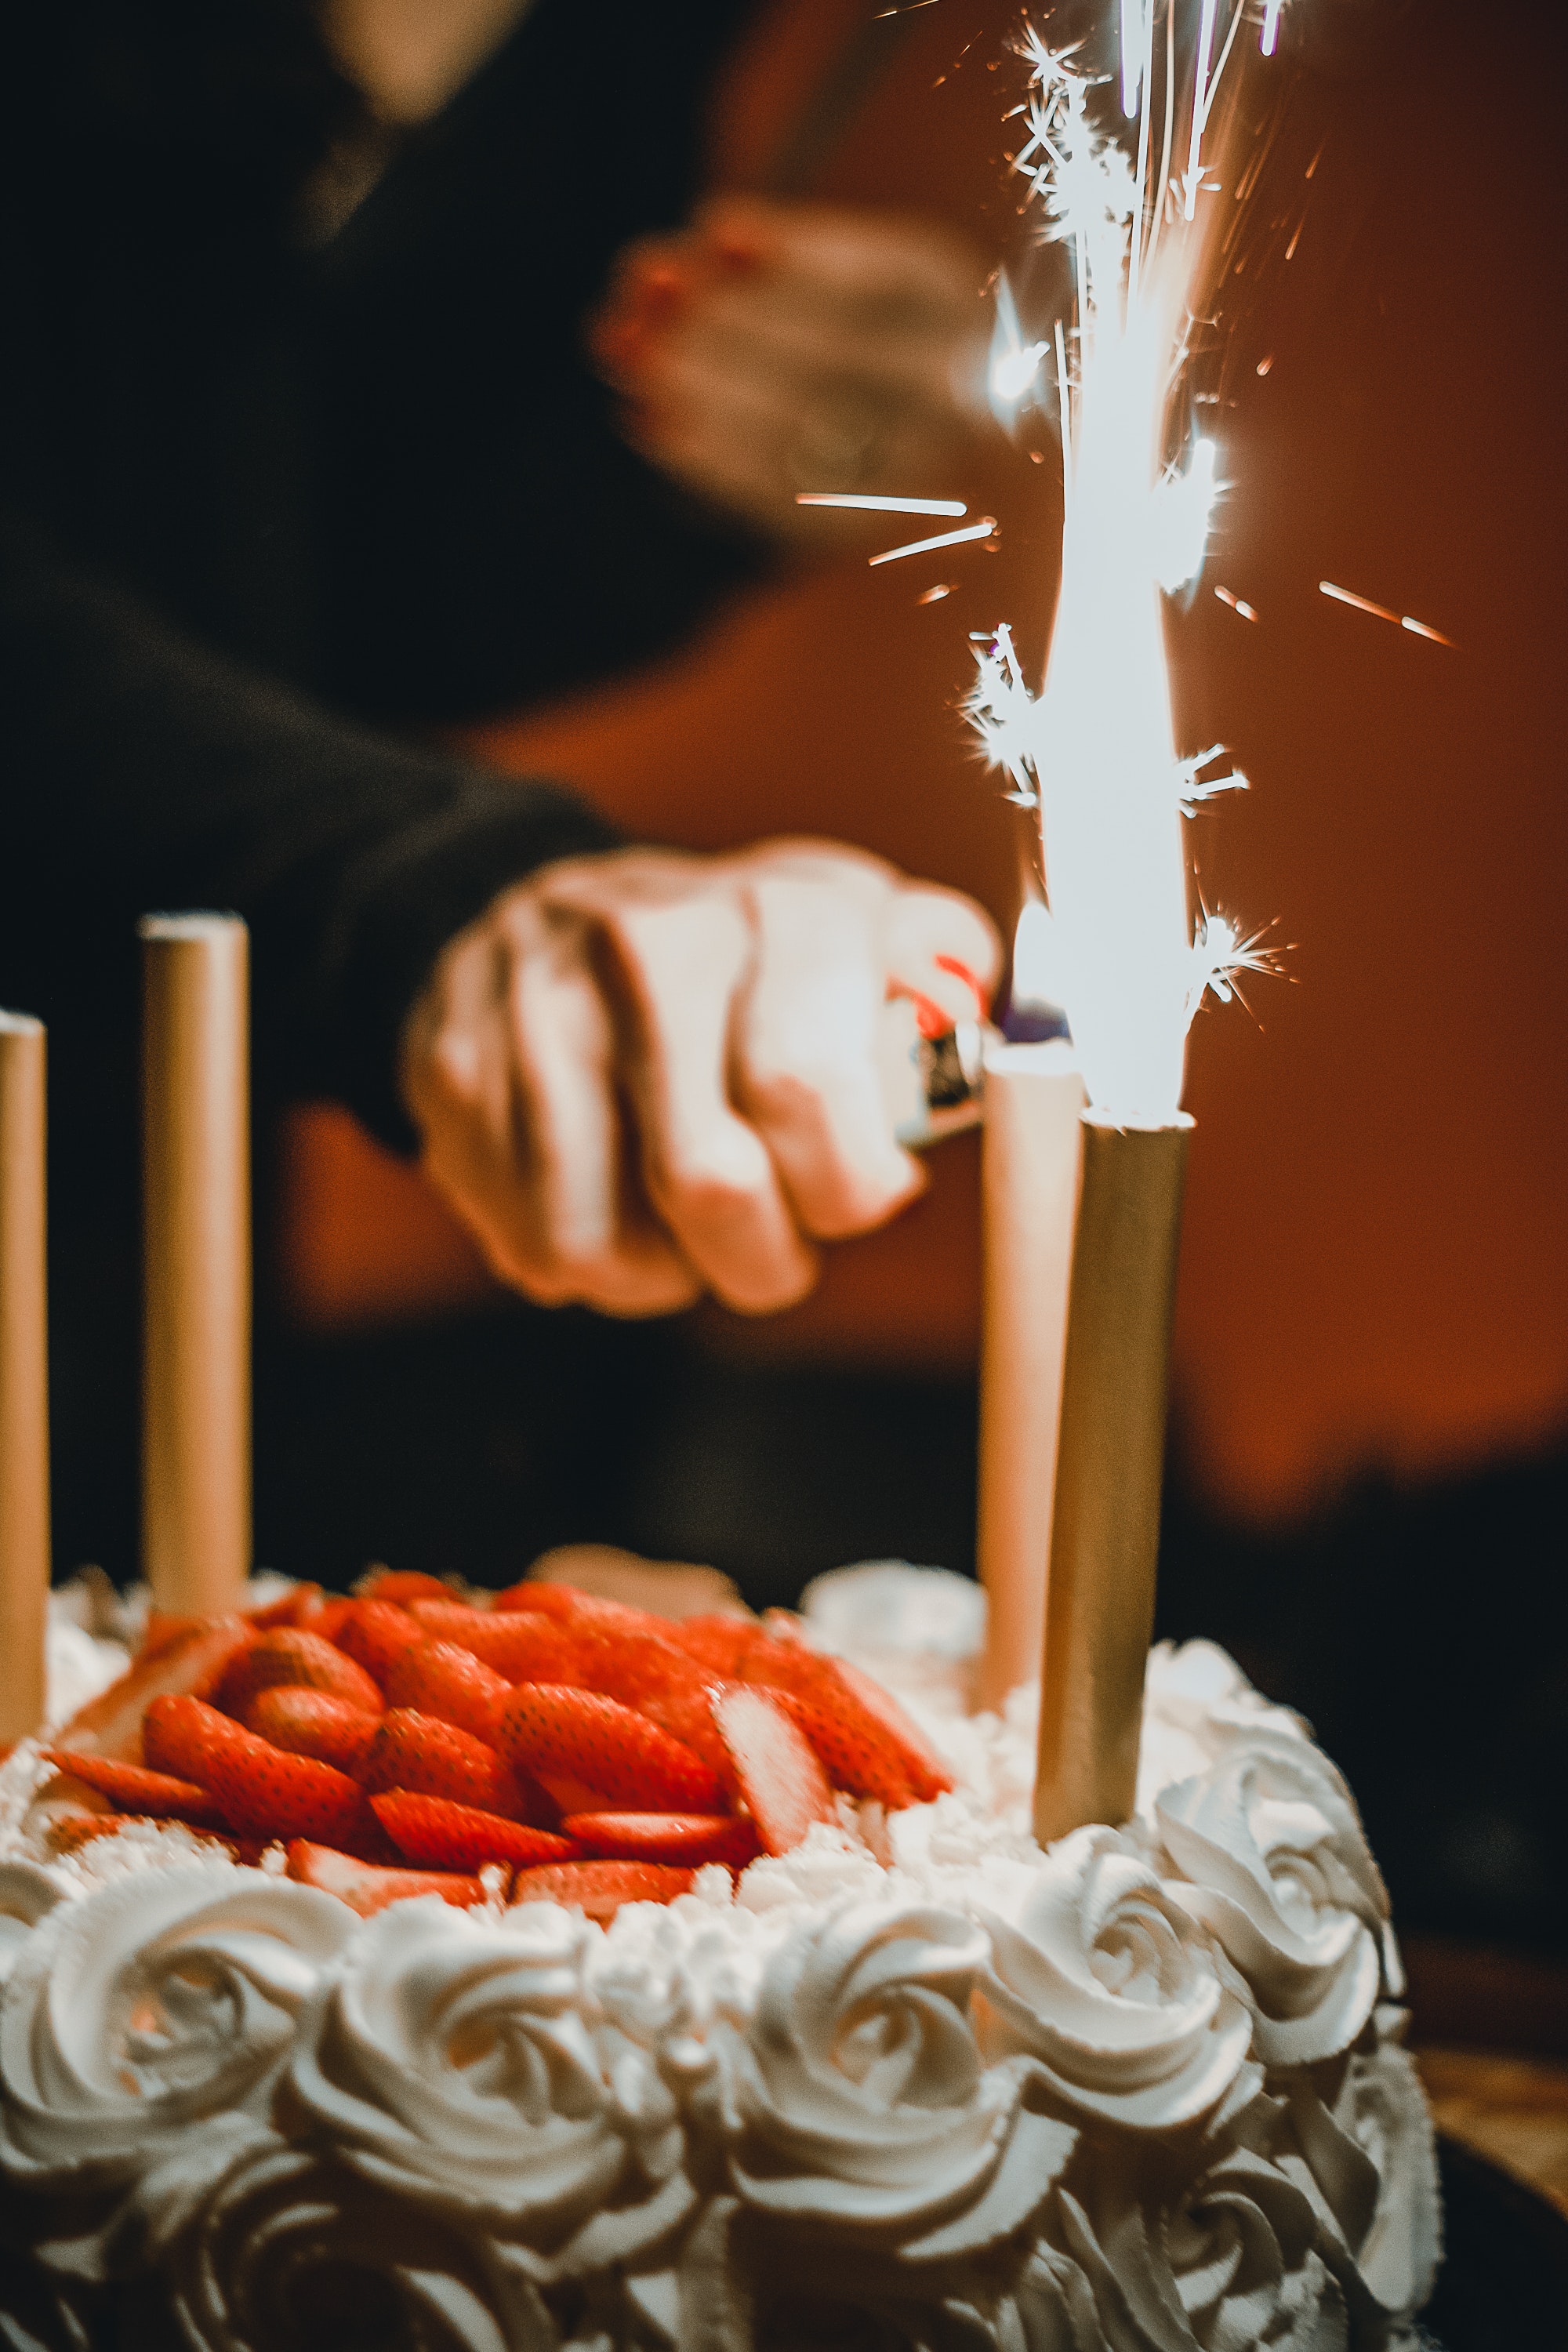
(508, 1072)
(805, 1063)
(929, 932)
(676, 959)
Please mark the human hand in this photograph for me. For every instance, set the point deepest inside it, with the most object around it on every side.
(772, 348)
(644, 1075)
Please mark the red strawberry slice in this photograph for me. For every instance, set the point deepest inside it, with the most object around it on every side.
(439, 1678)
(689, 1838)
(927, 1775)
(851, 1747)
(132, 1789)
(628, 1654)
(313, 1723)
(191, 1660)
(292, 1654)
(877, 1725)
(600, 1888)
(776, 1772)
(300, 1605)
(554, 1731)
(536, 1598)
(376, 1633)
(432, 1758)
(401, 1585)
(260, 1791)
(521, 1649)
(368, 1886)
(435, 1830)
(719, 1643)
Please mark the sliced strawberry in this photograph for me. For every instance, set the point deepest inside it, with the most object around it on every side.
(628, 1654)
(435, 1830)
(689, 1838)
(556, 1732)
(432, 1758)
(535, 1598)
(192, 1660)
(181, 1735)
(367, 1886)
(401, 1585)
(259, 1790)
(927, 1775)
(522, 1649)
(851, 1746)
(439, 1678)
(332, 1616)
(290, 1654)
(300, 1605)
(376, 1633)
(719, 1643)
(876, 1723)
(600, 1888)
(132, 1789)
(313, 1723)
(775, 1768)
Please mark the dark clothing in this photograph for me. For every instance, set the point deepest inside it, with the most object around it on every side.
(249, 484)
(269, 506)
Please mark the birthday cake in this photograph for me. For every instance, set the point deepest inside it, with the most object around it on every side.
(400, 1971)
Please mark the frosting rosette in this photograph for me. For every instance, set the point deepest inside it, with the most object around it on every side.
(1139, 2255)
(148, 2013)
(1270, 1855)
(858, 2104)
(463, 2063)
(1357, 2136)
(1108, 1983)
(27, 1893)
(289, 2253)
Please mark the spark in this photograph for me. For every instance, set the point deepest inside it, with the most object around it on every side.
(934, 595)
(1270, 26)
(1014, 364)
(865, 504)
(1093, 752)
(1237, 604)
(981, 529)
(1382, 613)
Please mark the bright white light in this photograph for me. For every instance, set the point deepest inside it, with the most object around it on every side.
(1271, 24)
(1131, 56)
(1182, 508)
(1095, 750)
(1014, 364)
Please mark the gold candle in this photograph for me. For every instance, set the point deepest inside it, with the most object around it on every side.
(196, 1395)
(1029, 1171)
(1105, 1536)
(23, 1377)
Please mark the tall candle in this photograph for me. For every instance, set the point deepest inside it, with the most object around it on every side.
(1029, 1170)
(24, 1378)
(1105, 1535)
(195, 1444)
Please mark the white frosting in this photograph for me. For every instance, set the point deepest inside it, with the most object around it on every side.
(1022, 2090)
(1138, 2258)
(136, 2018)
(1109, 1983)
(289, 2251)
(463, 2063)
(1267, 1852)
(859, 2101)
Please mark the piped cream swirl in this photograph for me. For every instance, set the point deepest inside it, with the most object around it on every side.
(1267, 1853)
(1112, 1988)
(464, 2062)
(860, 2102)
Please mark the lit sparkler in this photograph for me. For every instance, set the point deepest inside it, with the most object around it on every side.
(1095, 752)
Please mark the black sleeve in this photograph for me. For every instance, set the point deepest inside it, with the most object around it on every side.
(142, 773)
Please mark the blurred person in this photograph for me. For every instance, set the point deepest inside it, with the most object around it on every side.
(309, 444)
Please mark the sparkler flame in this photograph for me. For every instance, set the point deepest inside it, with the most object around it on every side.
(1094, 752)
